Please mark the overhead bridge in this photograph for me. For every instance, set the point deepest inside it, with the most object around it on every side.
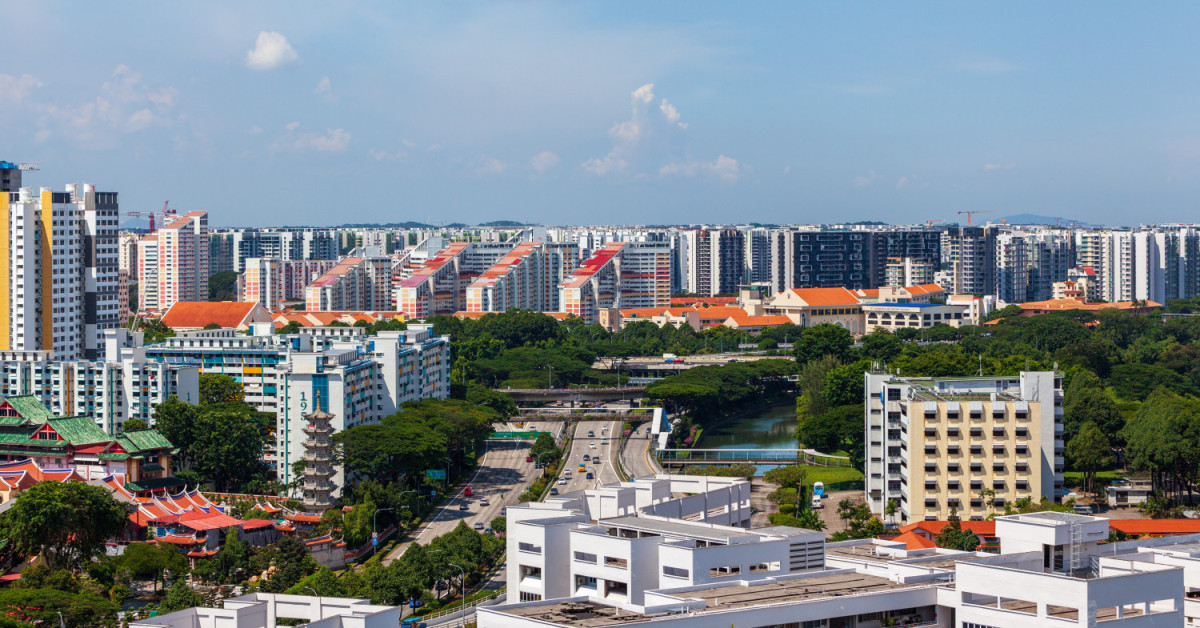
(681, 457)
(574, 394)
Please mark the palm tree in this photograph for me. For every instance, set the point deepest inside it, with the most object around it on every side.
(810, 520)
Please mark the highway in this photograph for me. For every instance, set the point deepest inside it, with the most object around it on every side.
(606, 472)
(500, 478)
(636, 453)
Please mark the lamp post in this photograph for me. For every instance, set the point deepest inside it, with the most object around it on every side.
(61, 623)
(550, 376)
(313, 590)
(374, 534)
(462, 587)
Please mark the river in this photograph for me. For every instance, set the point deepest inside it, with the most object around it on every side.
(772, 427)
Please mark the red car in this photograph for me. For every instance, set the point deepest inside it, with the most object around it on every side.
(528, 458)
(467, 491)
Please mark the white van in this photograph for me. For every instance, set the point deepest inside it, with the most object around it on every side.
(816, 502)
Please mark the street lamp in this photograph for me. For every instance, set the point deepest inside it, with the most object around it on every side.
(313, 590)
(550, 376)
(374, 534)
(61, 623)
(462, 589)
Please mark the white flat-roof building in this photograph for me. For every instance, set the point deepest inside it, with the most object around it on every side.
(871, 583)
(616, 542)
(263, 610)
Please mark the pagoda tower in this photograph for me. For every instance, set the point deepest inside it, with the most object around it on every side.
(318, 457)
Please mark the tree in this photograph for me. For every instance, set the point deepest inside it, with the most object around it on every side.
(291, 327)
(860, 523)
(228, 447)
(222, 286)
(544, 447)
(791, 476)
(216, 388)
(822, 340)
(133, 425)
(291, 560)
(881, 344)
(954, 537)
(891, 509)
(178, 422)
(42, 606)
(232, 559)
(1089, 451)
(499, 525)
(150, 560)
(179, 597)
(834, 430)
(65, 523)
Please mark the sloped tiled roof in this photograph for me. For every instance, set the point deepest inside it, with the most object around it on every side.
(827, 296)
(1155, 526)
(914, 541)
(79, 430)
(980, 528)
(148, 439)
(199, 314)
(28, 407)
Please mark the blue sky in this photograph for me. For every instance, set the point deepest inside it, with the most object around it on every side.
(271, 113)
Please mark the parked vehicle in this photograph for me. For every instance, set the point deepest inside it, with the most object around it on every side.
(484, 502)
(589, 476)
(464, 506)
(816, 502)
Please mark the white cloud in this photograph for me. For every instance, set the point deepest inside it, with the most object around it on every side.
(865, 180)
(254, 130)
(332, 141)
(544, 161)
(608, 164)
(409, 144)
(1007, 166)
(324, 89)
(724, 169)
(15, 89)
(433, 148)
(644, 93)
(490, 165)
(271, 50)
(902, 182)
(669, 111)
(625, 131)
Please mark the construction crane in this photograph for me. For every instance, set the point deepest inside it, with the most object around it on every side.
(972, 212)
(164, 212)
(929, 223)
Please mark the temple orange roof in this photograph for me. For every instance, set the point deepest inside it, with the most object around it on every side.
(915, 541)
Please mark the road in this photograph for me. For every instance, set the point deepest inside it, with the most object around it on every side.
(637, 452)
(501, 476)
(596, 445)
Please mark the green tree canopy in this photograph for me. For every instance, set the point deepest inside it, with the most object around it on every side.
(65, 523)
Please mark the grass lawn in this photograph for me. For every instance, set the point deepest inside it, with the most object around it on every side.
(831, 475)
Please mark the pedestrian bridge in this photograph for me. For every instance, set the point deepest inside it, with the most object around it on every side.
(680, 457)
(574, 395)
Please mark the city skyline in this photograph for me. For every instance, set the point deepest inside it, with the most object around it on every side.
(612, 114)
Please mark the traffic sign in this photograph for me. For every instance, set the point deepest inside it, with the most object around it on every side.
(435, 474)
(375, 541)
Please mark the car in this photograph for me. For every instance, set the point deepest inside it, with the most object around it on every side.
(562, 481)
(596, 461)
(478, 525)
(489, 531)
(587, 458)
(567, 473)
(590, 476)
(528, 458)
(591, 434)
(467, 491)
(604, 442)
(553, 491)
(413, 622)
(591, 445)
(484, 502)
(464, 506)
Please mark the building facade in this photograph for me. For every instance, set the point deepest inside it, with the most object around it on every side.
(173, 263)
(969, 444)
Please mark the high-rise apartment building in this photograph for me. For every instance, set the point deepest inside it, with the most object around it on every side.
(60, 270)
(906, 271)
(716, 261)
(969, 255)
(175, 260)
(284, 244)
(354, 284)
(274, 282)
(619, 275)
(971, 444)
(526, 278)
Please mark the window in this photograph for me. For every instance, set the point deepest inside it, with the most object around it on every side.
(675, 572)
(529, 547)
(584, 557)
(721, 572)
(619, 563)
(530, 597)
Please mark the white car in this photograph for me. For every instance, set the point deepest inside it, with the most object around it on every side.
(562, 481)
(591, 445)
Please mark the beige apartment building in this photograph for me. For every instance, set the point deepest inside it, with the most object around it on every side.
(969, 443)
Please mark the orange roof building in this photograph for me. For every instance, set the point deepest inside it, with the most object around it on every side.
(191, 315)
(1033, 308)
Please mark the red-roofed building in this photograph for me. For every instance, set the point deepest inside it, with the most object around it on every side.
(191, 315)
(914, 541)
(812, 306)
(694, 301)
(355, 283)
